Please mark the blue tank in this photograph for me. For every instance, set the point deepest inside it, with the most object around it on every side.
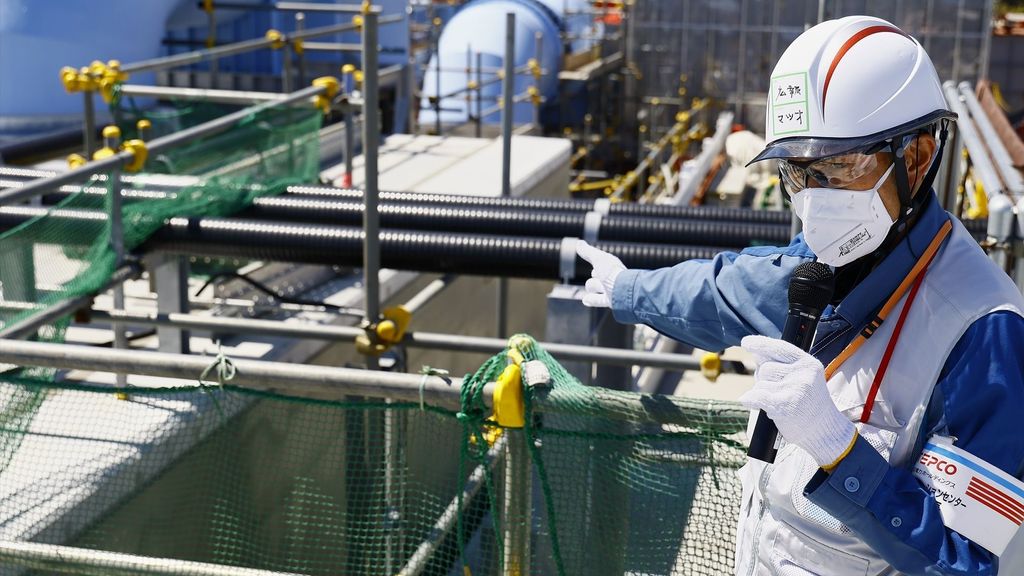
(38, 38)
(480, 27)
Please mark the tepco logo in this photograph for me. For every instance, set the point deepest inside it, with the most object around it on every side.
(930, 460)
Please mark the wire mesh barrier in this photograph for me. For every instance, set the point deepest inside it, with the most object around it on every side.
(207, 480)
(50, 259)
(53, 259)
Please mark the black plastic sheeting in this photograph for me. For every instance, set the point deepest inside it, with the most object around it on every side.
(547, 224)
(471, 254)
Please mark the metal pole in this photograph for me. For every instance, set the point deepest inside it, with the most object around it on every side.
(516, 515)
(286, 68)
(300, 25)
(89, 124)
(414, 92)
(36, 187)
(371, 213)
(957, 37)
(428, 292)
(211, 36)
(986, 41)
(332, 383)
(69, 560)
(209, 95)
(117, 245)
(538, 49)
(331, 47)
(385, 425)
(507, 89)
(437, 83)
(346, 180)
(741, 64)
(293, 6)
(28, 326)
(479, 94)
(424, 340)
(160, 180)
(177, 60)
(469, 83)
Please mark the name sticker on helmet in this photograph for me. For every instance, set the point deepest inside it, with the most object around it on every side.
(789, 104)
(974, 498)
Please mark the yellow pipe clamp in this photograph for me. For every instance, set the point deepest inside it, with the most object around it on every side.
(379, 337)
(331, 88)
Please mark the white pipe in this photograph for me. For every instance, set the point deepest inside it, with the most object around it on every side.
(1003, 162)
(983, 167)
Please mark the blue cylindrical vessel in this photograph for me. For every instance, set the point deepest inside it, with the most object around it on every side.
(480, 27)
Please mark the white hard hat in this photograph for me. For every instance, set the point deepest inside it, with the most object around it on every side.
(849, 83)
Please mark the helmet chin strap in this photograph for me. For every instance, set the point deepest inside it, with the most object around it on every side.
(909, 203)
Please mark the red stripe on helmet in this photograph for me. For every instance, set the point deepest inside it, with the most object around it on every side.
(846, 48)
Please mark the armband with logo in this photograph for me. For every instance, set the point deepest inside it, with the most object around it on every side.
(976, 499)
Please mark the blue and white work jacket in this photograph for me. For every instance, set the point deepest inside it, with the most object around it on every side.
(957, 370)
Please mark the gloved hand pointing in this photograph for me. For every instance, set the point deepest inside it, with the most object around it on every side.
(602, 282)
(789, 385)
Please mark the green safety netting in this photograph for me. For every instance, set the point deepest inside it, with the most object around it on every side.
(595, 483)
(50, 259)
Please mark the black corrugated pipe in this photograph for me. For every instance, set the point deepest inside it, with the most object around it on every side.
(467, 254)
(323, 193)
(540, 223)
(555, 205)
(480, 220)
(471, 254)
(713, 213)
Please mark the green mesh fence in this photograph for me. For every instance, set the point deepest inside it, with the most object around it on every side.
(236, 478)
(50, 259)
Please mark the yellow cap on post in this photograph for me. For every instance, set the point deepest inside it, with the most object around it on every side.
(76, 161)
(111, 131)
(277, 39)
(711, 366)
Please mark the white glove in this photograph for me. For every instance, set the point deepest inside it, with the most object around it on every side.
(789, 385)
(602, 282)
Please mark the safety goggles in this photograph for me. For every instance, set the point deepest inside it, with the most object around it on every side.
(841, 171)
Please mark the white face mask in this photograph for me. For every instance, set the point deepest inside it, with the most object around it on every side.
(843, 225)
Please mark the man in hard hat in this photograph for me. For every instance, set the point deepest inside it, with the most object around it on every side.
(901, 436)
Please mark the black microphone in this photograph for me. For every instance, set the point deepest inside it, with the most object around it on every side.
(810, 290)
